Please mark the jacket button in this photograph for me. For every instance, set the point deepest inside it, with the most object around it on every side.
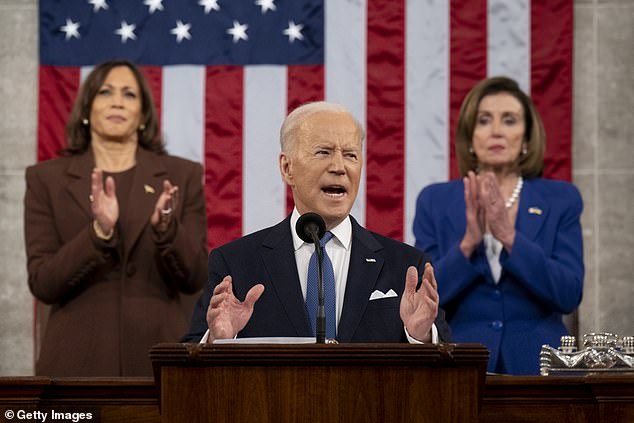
(497, 293)
(497, 324)
(130, 270)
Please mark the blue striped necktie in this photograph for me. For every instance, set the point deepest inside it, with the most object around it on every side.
(330, 303)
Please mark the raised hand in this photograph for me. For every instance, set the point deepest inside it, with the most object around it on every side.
(497, 215)
(419, 309)
(165, 207)
(226, 315)
(103, 201)
(474, 215)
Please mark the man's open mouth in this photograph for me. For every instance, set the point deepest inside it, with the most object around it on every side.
(334, 190)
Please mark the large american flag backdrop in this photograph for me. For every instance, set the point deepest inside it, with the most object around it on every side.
(224, 73)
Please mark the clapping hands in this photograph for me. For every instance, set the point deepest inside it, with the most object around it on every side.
(165, 207)
(103, 201)
(485, 211)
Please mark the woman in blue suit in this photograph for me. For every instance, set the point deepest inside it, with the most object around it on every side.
(506, 244)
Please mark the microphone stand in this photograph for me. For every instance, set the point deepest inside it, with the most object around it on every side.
(320, 324)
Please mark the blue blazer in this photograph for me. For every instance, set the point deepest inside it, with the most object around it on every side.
(268, 257)
(541, 279)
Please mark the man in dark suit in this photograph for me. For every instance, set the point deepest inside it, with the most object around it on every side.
(257, 285)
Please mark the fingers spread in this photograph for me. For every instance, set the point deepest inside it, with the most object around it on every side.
(224, 286)
(254, 294)
(429, 275)
(430, 291)
(411, 280)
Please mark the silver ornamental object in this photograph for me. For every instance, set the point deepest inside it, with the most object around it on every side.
(602, 352)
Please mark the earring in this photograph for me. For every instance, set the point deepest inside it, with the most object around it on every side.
(84, 121)
(471, 151)
(142, 127)
(524, 150)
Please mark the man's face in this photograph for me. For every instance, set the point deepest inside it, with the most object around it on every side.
(323, 165)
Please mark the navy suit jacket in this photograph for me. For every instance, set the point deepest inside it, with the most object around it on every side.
(541, 279)
(268, 257)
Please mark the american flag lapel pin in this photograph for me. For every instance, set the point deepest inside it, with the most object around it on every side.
(535, 210)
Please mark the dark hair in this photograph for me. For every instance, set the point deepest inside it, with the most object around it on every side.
(78, 134)
(530, 164)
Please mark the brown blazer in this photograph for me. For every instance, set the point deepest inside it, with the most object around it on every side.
(111, 301)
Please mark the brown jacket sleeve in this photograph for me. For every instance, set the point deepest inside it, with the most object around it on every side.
(183, 247)
(56, 268)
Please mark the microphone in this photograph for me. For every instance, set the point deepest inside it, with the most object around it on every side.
(310, 227)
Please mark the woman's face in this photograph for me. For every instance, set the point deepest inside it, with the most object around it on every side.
(115, 114)
(499, 131)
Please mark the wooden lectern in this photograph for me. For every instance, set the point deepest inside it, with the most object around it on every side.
(319, 382)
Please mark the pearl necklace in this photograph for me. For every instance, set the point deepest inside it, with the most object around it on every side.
(516, 193)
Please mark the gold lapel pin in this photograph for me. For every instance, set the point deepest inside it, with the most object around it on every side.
(535, 210)
(148, 189)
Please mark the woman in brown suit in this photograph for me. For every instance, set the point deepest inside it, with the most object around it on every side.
(115, 233)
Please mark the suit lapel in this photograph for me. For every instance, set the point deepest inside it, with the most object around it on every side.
(80, 169)
(361, 280)
(532, 210)
(147, 185)
(279, 259)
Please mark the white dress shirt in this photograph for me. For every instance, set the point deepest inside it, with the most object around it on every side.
(493, 249)
(338, 249)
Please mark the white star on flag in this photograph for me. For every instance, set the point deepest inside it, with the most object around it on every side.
(266, 5)
(126, 31)
(294, 32)
(209, 4)
(98, 4)
(239, 31)
(154, 5)
(70, 29)
(181, 31)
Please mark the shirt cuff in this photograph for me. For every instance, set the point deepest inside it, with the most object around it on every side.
(434, 336)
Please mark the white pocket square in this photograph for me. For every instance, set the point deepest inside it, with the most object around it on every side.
(378, 295)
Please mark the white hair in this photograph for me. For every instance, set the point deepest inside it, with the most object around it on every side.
(303, 112)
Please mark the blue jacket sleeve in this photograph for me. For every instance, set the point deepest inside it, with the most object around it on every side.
(454, 272)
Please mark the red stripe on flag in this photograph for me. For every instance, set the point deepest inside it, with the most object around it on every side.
(154, 77)
(467, 63)
(385, 117)
(223, 153)
(551, 80)
(305, 83)
(57, 92)
(58, 89)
